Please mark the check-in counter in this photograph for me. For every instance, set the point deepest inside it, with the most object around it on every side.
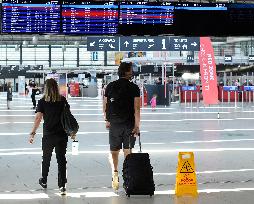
(190, 94)
(246, 93)
(228, 94)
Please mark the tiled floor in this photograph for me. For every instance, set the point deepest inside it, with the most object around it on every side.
(223, 149)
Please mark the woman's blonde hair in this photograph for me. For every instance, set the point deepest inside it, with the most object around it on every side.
(51, 91)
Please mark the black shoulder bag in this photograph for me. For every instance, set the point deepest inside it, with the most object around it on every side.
(69, 123)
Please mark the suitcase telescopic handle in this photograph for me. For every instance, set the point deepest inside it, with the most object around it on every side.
(139, 142)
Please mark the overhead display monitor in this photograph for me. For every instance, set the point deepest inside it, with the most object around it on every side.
(201, 19)
(146, 18)
(31, 16)
(89, 17)
(241, 19)
(0, 16)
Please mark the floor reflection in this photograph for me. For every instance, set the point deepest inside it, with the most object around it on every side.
(185, 200)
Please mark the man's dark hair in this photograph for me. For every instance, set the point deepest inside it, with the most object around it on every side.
(123, 68)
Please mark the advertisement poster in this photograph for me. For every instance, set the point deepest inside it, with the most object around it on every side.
(61, 79)
(118, 57)
(21, 85)
(74, 89)
(208, 71)
(62, 83)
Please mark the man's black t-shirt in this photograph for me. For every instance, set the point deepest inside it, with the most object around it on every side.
(132, 92)
(52, 116)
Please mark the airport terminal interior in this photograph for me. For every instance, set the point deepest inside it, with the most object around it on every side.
(205, 102)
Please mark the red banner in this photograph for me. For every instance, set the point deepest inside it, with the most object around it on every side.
(208, 71)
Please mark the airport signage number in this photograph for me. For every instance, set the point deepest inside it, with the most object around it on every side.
(190, 58)
(251, 58)
(144, 43)
(228, 58)
(189, 88)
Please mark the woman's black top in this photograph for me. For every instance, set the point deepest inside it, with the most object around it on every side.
(52, 117)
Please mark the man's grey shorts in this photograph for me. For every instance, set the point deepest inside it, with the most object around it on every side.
(120, 136)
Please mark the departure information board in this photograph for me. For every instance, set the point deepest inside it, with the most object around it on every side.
(142, 17)
(29, 16)
(89, 17)
(241, 18)
(200, 19)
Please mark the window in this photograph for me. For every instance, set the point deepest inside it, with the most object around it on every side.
(56, 56)
(42, 53)
(2, 54)
(13, 54)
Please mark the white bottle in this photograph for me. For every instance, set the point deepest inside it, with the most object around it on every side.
(75, 145)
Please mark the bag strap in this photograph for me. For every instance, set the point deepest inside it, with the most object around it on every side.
(64, 106)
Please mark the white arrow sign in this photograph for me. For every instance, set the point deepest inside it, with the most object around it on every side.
(126, 43)
(92, 44)
(194, 44)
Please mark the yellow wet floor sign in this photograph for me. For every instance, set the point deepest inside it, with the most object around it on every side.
(186, 182)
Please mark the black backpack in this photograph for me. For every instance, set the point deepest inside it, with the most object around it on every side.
(118, 103)
(69, 123)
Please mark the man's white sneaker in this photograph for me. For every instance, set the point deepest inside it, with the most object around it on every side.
(115, 181)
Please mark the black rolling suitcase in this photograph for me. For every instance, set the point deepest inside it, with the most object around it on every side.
(138, 174)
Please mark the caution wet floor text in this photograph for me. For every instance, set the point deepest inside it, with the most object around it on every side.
(186, 182)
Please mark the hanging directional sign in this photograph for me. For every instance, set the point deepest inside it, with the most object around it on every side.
(251, 58)
(144, 43)
(228, 58)
(184, 44)
(102, 44)
(190, 58)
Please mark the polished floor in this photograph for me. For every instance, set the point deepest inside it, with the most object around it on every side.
(223, 149)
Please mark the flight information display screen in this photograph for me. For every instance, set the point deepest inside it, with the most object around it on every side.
(31, 16)
(201, 19)
(145, 17)
(89, 17)
(241, 18)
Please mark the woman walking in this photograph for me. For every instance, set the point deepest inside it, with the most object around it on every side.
(50, 108)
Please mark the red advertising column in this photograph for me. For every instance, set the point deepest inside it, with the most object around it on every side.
(208, 71)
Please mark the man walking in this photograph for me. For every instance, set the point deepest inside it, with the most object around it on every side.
(33, 93)
(121, 107)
